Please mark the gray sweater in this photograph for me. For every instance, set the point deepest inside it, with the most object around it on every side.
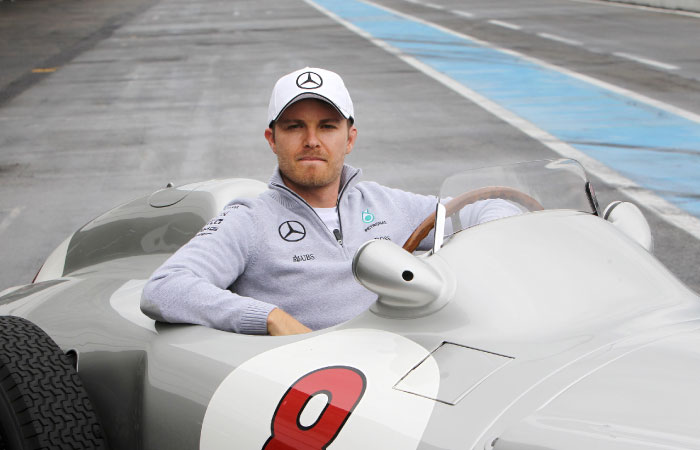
(274, 250)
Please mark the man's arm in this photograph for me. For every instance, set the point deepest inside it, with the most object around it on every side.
(484, 211)
(279, 323)
(191, 286)
(417, 207)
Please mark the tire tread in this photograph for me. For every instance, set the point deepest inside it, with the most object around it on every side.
(47, 395)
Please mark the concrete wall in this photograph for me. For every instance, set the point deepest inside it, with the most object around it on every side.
(685, 5)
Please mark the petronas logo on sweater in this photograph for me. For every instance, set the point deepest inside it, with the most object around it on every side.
(367, 217)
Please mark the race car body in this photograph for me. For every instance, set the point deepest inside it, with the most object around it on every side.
(552, 329)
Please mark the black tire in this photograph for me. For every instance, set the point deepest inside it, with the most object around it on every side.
(43, 404)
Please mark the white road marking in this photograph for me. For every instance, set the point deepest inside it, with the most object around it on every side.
(466, 14)
(649, 62)
(588, 79)
(564, 40)
(662, 208)
(5, 224)
(503, 24)
(640, 7)
(434, 6)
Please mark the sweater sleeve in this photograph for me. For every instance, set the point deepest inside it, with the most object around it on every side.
(192, 285)
(484, 211)
(415, 208)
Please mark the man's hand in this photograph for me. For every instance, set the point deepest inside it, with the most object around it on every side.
(279, 323)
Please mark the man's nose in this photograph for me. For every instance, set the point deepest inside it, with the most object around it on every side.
(311, 139)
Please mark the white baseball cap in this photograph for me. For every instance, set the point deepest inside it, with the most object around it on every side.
(310, 82)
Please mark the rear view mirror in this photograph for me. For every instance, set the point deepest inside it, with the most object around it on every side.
(629, 219)
(407, 286)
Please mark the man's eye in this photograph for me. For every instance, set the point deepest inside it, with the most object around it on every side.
(329, 125)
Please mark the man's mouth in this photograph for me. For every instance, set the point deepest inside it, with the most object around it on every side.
(311, 158)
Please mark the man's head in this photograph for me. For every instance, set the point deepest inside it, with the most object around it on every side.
(311, 128)
(309, 83)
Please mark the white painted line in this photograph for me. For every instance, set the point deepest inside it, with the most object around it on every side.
(640, 7)
(554, 37)
(466, 14)
(588, 79)
(662, 208)
(5, 224)
(434, 6)
(649, 62)
(503, 24)
(412, 1)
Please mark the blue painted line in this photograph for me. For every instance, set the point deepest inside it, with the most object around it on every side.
(658, 150)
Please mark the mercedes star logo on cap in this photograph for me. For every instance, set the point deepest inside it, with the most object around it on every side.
(292, 231)
(309, 80)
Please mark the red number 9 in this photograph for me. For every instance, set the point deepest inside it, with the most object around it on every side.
(344, 387)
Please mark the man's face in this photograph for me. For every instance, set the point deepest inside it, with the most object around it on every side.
(311, 140)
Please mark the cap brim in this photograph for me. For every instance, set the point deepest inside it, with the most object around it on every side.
(306, 95)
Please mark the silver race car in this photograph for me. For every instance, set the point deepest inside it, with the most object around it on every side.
(552, 329)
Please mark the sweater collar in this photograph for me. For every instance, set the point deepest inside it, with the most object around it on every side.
(349, 177)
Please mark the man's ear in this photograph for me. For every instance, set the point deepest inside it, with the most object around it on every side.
(270, 138)
(352, 137)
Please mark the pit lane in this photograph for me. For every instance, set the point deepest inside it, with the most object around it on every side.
(176, 91)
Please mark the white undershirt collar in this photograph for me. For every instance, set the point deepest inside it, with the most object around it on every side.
(329, 217)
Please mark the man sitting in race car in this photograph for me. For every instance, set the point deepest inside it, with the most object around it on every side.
(281, 263)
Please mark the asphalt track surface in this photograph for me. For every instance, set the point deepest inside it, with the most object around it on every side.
(101, 102)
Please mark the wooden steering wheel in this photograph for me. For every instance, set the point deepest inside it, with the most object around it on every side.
(466, 198)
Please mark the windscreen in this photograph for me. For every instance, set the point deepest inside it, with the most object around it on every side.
(480, 195)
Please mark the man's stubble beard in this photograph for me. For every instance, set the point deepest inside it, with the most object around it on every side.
(310, 178)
